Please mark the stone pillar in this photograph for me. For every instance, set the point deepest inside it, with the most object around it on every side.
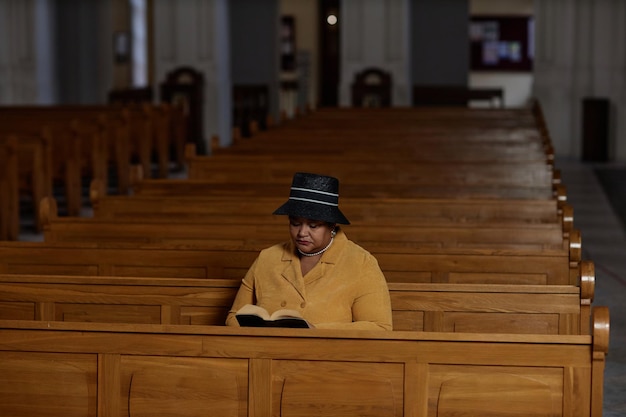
(19, 66)
(196, 34)
(375, 33)
(580, 52)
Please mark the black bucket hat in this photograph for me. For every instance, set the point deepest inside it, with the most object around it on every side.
(314, 197)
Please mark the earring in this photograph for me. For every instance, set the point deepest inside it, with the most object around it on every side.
(333, 233)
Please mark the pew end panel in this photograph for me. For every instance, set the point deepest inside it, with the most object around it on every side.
(9, 189)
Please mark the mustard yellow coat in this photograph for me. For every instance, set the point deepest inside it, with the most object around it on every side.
(345, 290)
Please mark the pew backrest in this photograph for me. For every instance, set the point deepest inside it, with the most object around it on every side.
(470, 308)
(400, 263)
(88, 367)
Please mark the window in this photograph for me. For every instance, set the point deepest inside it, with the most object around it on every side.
(139, 47)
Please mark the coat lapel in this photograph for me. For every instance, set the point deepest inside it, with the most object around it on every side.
(293, 274)
(291, 271)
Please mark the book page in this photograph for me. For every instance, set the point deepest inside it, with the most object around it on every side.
(285, 313)
(254, 310)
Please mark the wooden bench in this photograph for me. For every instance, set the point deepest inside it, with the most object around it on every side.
(390, 133)
(270, 229)
(37, 170)
(400, 133)
(377, 174)
(157, 135)
(9, 190)
(477, 124)
(254, 189)
(146, 129)
(77, 146)
(461, 145)
(125, 369)
(224, 209)
(430, 117)
(228, 259)
(473, 308)
(34, 164)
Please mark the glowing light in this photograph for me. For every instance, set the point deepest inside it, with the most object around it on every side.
(331, 19)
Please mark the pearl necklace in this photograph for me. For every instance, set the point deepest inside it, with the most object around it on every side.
(318, 252)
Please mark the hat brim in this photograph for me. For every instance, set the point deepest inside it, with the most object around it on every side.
(313, 211)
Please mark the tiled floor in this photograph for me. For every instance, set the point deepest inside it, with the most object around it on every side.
(604, 242)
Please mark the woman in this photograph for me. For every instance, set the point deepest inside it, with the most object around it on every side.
(333, 282)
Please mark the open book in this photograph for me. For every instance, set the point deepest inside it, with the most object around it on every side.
(255, 316)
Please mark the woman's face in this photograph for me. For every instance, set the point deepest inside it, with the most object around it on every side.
(309, 235)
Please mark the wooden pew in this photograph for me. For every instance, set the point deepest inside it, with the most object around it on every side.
(110, 369)
(224, 209)
(495, 308)
(33, 150)
(378, 166)
(9, 189)
(394, 253)
(254, 189)
(269, 230)
(76, 146)
(400, 134)
(400, 263)
(132, 131)
(353, 144)
(157, 135)
(36, 174)
(378, 174)
(279, 143)
(152, 130)
(110, 124)
(432, 117)
(475, 124)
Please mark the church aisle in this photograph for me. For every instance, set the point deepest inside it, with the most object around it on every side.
(604, 242)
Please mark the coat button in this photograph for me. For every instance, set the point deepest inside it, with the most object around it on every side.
(302, 305)
(283, 304)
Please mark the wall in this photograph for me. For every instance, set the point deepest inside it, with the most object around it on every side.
(305, 13)
(254, 44)
(196, 34)
(376, 34)
(580, 53)
(440, 52)
(120, 23)
(83, 51)
(517, 85)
